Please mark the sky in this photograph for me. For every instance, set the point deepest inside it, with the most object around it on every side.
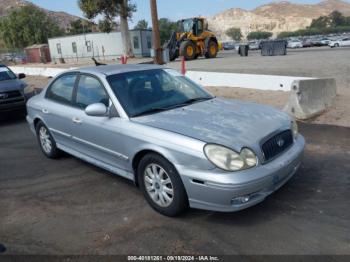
(172, 9)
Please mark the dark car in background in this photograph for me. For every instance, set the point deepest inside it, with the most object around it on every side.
(228, 46)
(14, 93)
(307, 42)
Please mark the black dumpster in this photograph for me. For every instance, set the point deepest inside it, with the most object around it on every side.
(274, 47)
(243, 50)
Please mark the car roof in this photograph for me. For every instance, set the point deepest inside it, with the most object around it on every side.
(117, 69)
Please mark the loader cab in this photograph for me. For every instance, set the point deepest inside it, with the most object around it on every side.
(196, 26)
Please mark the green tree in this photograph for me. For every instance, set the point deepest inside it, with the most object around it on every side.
(234, 33)
(109, 10)
(321, 22)
(336, 18)
(259, 35)
(2, 46)
(334, 23)
(26, 26)
(166, 27)
(80, 26)
(142, 24)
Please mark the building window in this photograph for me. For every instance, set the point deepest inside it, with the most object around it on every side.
(59, 49)
(149, 42)
(88, 46)
(136, 42)
(74, 47)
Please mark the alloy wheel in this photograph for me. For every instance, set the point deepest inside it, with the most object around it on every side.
(45, 140)
(158, 185)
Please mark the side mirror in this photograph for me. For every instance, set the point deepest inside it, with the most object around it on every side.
(21, 76)
(97, 109)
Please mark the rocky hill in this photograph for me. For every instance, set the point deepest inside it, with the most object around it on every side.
(63, 19)
(275, 17)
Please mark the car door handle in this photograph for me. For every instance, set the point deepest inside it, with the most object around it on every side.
(45, 111)
(77, 120)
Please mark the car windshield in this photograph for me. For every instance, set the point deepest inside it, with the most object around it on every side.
(152, 91)
(6, 74)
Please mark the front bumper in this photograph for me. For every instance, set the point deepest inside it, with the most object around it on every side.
(218, 190)
(18, 103)
(21, 105)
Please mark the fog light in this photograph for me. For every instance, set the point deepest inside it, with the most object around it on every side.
(240, 200)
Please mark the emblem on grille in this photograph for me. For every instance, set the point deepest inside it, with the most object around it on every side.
(3, 96)
(280, 142)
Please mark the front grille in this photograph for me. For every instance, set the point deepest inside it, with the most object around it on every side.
(277, 144)
(13, 94)
(11, 97)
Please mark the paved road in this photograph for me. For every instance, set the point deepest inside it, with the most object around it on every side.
(309, 62)
(67, 206)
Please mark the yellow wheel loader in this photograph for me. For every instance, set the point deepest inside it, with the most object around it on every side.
(193, 40)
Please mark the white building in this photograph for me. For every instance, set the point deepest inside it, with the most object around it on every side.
(102, 46)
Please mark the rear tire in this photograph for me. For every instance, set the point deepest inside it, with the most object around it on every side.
(46, 141)
(188, 50)
(212, 49)
(161, 185)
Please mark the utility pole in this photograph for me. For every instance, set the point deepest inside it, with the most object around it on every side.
(158, 59)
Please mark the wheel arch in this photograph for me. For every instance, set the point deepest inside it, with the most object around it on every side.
(148, 150)
(211, 38)
(36, 120)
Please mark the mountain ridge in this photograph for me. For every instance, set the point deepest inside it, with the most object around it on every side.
(62, 18)
(276, 17)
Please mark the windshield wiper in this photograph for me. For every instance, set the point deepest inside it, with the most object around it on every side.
(197, 99)
(150, 111)
(161, 109)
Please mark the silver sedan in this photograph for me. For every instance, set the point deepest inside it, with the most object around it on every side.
(181, 146)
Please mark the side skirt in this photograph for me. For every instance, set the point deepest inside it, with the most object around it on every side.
(108, 167)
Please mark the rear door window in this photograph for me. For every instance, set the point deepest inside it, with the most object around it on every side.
(61, 90)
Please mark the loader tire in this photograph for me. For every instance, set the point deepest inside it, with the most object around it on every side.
(212, 49)
(188, 50)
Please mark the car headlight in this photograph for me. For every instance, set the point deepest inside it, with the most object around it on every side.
(229, 160)
(294, 128)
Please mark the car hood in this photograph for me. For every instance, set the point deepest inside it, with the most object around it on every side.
(232, 123)
(11, 85)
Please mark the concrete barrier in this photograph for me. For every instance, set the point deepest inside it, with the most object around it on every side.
(310, 97)
(39, 71)
(261, 82)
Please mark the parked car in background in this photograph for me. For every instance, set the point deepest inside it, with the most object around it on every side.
(19, 59)
(340, 42)
(14, 93)
(307, 42)
(295, 44)
(325, 41)
(228, 46)
(316, 42)
(7, 57)
(254, 45)
(181, 145)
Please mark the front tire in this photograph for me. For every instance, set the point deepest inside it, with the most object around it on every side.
(161, 185)
(188, 50)
(46, 141)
